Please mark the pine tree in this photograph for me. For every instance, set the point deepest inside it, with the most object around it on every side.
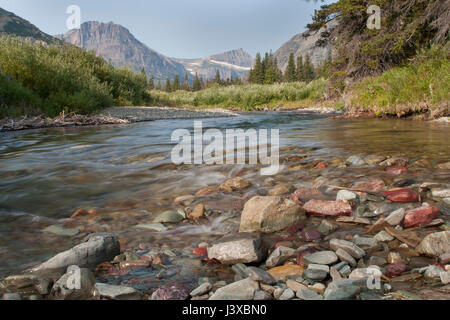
(144, 74)
(290, 74)
(309, 69)
(256, 73)
(300, 69)
(151, 83)
(158, 86)
(186, 82)
(217, 79)
(167, 87)
(197, 85)
(176, 83)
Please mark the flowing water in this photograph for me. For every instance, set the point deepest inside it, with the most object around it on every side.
(125, 174)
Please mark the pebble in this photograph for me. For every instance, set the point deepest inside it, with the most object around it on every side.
(279, 256)
(355, 251)
(433, 273)
(345, 195)
(321, 257)
(322, 267)
(318, 287)
(394, 257)
(341, 290)
(359, 273)
(368, 243)
(262, 296)
(240, 290)
(237, 248)
(307, 294)
(169, 217)
(383, 236)
(294, 285)
(201, 290)
(260, 275)
(396, 217)
(315, 275)
(288, 294)
(346, 257)
(377, 261)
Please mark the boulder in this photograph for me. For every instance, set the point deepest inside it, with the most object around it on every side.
(240, 290)
(270, 214)
(435, 244)
(239, 248)
(324, 208)
(96, 249)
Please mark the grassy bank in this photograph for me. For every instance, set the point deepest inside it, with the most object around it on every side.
(37, 78)
(421, 85)
(245, 97)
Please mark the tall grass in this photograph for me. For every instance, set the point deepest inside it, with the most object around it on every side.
(425, 80)
(57, 78)
(246, 97)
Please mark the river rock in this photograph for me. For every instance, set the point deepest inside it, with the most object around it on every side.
(76, 284)
(260, 275)
(440, 193)
(174, 291)
(61, 231)
(341, 290)
(287, 294)
(239, 248)
(270, 214)
(294, 285)
(198, 212)
(373, 159)
(279, 256)
(307, 294)
(355, 161)
(201, 290)
(311, 235)
(321, 257)
(240, 290)
(396, 269)
(355, 251)
(261, 295)
(376, 185)
(324, 208)
(420, 216)
(97, 248)
(282, 272)
(345, 195)
(152, 226)
(383, 236)
(112, 292)
(396, 217)
(395, 161)
(346, 257)
(377, 261)
(235, 184)
(365, 242)
(28, 284)
(315, 274)
(279, 190)
(362, 273)
(169, 216)
(326, 227)
(435, 244)
(402, 196)
(433, 273)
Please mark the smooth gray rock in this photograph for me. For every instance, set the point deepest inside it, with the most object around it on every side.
(201, 290)
(279, 256)
(342, 290)
(396, 217)
(240, 290)
(288, 294)
(240, 248)
(315, 275)
(169, 217)
(117, 292)
(346, 257)
(97, 248)
(307, 294)
(260, 275)
(321, 257)
(355, 251)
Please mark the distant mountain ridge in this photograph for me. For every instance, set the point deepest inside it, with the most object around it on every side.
(234, 63)
(116, 44)
(14, 25)
(119, 46)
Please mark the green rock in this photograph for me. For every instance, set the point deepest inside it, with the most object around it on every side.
(61, 231)
(169, 217)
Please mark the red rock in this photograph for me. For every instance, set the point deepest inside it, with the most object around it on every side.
(420, 216)
(402, 195)
(171, 292)
(306, 194)
(397, 171)
(311, 235)
(376, 185)
(201, 252)
(323, 208)
(295, 228)
(396, 269)
(321, 165)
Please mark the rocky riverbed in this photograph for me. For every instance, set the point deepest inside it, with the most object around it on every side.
(382, 235)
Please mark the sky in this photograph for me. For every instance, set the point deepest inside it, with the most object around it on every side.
(183, 28)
